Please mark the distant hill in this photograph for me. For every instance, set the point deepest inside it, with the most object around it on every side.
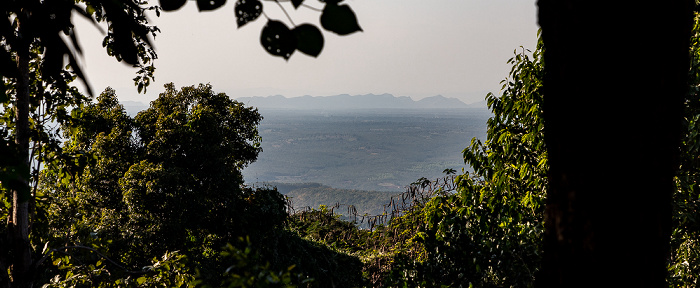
(311, 195)
(133, 107)
(347, 102)
(337, 102)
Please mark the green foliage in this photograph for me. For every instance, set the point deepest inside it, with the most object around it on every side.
(47, 27)
(51, 99)
(248, 271)
(168, 271)
(389, 244)
(325, 226)
(488, 233)
(167, 180)
(684, 265)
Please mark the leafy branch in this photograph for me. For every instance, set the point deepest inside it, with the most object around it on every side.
(276, 37)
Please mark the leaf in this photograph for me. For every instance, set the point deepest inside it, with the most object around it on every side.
(339, 19)
(124, 45)
(3, 96)
(208, 5)
(7, 64)
(247, 11)
(278, 40)
(172, 5)
(297, 3)
(309, 39)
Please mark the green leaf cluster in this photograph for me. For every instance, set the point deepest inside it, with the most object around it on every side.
(167, 271)
(684, 264)
(248, 271)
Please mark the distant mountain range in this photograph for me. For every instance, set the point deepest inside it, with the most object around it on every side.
(337, 102)
(346, 102)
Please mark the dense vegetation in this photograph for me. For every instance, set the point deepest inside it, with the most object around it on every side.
(684, 268)
(159, 200)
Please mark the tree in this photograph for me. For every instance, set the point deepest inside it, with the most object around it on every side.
(614, 83)
(167, 180)
(33, 71)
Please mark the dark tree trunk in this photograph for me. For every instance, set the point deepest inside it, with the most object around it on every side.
(19, 226)
(614, 85)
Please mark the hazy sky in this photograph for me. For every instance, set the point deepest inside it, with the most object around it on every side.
(416, 48)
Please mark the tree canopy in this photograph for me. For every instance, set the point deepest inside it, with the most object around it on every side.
(166, 180)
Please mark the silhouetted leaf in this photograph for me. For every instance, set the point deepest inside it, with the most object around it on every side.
(125, 46)
(309, 39)
(3, 96)
(207, 5)
(339, 19)
(278, 40)
(297, 3)
(54, 51)
(7, 64)
(247, 11)
(172, 5)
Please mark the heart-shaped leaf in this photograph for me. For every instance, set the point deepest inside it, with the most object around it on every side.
(171, 5)
(309, 39)
(207, 5)
(247, 11)
(297, 3)
(278, 40)
(339, 19)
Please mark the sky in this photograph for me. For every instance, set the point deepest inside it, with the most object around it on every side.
(415, 48)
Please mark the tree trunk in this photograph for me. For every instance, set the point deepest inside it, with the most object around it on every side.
(615, 77)
(19, 227)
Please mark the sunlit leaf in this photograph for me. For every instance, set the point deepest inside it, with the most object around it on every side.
(339, 19)
(278, 40)
(309, 39)
(247, 11)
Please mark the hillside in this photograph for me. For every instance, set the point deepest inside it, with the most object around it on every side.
(311, 195)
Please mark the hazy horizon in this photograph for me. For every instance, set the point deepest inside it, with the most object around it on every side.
(408, 48)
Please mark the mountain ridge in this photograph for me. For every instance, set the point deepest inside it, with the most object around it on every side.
(346, 102)
(337, 102)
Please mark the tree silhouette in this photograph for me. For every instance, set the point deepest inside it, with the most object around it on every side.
(615, 78)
